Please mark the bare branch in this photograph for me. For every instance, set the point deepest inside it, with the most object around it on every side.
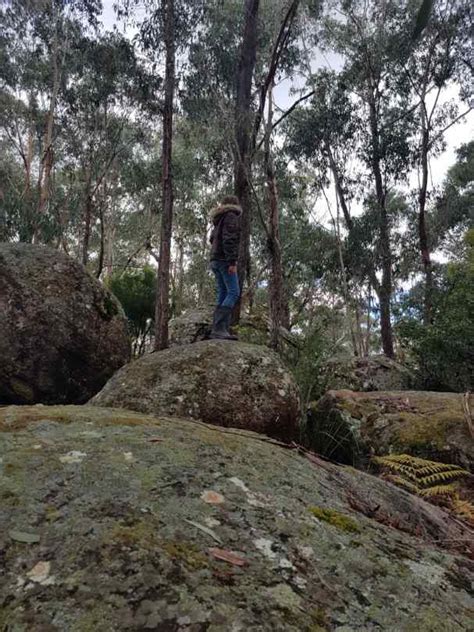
(288, 112)
(456, 120)
(278, 48)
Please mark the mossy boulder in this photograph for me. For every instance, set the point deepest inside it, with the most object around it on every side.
(373, 373)
(62, 334)
(112, 520)
(349, 427)
(219, 382)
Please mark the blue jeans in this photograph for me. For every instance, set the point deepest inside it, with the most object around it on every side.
(228, 291)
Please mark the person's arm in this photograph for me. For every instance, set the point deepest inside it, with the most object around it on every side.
(231, 238)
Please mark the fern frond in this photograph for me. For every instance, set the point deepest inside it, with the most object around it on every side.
(397, 464)
(405, 459)
(420, 476)
(427, 481)
(404, 470)
(439, 490)
(434, 467)
(401, 482)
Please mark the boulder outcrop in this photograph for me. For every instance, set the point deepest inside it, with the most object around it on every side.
(373, 373)
(135, 523)
(219, 382)
(193, 325)
(62, 334)
(348, 426)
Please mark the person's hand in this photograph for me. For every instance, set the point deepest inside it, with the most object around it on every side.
(232, 270)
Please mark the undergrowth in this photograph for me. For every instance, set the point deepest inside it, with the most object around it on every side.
(436, 482)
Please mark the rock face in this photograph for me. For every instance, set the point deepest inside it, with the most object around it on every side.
(134, 523)
(62, 335)
(192, 326)
(374, 373)
(349, 426)
(219, 382)
(195, 325)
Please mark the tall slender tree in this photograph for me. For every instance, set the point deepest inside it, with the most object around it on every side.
(277, 301)
(163, 278)
(243, 130)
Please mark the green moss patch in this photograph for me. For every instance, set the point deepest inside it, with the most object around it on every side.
(13, 418)
(186, 553)
(336, 519)
(141, 534)
(419, 432)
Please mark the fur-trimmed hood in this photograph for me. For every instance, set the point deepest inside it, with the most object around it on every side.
(224, 208)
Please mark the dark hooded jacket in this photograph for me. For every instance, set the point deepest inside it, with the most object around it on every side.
(225, 234)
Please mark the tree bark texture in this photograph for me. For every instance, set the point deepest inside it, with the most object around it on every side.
(385, 290)
(163, 279)
(47, 157)
(88, 211)
(278, 312)
(422, 228)
(243, 129)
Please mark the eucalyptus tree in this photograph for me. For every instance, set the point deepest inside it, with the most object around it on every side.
(101, 131)
(435, 65)
(370, 111)
(35, 48)
(164, 36)
(453, 212)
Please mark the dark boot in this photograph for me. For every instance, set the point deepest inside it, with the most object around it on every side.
(220, 325)
(228, 318)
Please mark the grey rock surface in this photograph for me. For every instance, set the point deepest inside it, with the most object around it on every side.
(220, 382)
(193, 325)
(374, 373)
(62, 334)
(137, 523)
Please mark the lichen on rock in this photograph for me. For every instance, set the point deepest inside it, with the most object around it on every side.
(372, 373)
(220, 382)
(116, 547)
(62, 334)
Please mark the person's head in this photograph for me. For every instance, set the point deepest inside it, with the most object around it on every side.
(228, 203)
(230, 200)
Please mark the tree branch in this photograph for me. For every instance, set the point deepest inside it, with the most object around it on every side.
(288, 112)
(278, 48)
(458, 118)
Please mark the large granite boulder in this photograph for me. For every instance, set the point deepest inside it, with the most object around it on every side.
(349, 426)
(219, 382)
(62, 334)
(373, 373)
(135, 523)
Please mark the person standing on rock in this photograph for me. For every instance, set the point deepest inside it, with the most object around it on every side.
(225, 239)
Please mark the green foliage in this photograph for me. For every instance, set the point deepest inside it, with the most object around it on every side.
(444, 351)
(319, 341)
(454, 208)
(431, 480)
(136, 292)
(424, 477)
